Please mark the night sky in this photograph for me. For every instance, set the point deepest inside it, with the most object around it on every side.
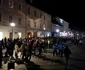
(70, 11)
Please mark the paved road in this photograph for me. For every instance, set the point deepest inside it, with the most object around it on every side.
(77, 58)
(76, 61)
(48, 62)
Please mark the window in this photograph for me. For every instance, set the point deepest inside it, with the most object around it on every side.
(10, 19)
(19, 34)
(40, 15)
(34, 24)
(28, 10)
(0, 17)
(40, 26)
(19, 21)
(35, 13)
(1, 1)
(28, 23)
(44, 26)
(20, 7)
(11, 5)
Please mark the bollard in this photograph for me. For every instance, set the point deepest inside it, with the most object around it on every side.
(11, 65)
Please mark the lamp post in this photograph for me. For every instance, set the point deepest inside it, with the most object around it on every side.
(12, 25)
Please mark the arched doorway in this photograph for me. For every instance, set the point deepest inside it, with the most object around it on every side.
(29, 35)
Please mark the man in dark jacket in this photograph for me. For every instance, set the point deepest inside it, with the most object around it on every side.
(67, 52)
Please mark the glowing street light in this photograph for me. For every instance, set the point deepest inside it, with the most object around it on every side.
(57, 30)
(12, 25)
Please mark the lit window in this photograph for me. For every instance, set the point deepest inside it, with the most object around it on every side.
(19, 34)
(1, 35)
(48, 34)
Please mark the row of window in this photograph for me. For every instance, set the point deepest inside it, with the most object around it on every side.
(19, 21)
(35, 13)
(11, 19)
(11, 5)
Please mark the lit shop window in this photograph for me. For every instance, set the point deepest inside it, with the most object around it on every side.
(1, 35)
(19, 34)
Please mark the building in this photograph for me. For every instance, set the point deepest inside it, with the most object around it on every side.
(64, 24)
(29, 21)
(61, 28)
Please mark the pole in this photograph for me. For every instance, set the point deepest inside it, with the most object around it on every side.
(12, 34)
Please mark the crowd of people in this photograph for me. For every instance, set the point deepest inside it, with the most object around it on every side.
(24, 48)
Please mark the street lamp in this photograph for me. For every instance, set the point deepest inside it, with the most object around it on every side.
(12, 25)
(57, 30)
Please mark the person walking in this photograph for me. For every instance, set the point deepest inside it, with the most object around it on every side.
(67, 53)
(16, 50)
(23, 51)
(61, 49)
(55, 47)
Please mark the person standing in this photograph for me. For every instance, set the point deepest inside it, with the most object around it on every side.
(16, 50)
(67, 53)
(55, 47)
(61, 49)
(22, 49)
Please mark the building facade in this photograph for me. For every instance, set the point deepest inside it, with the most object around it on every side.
(61, 29)
(29, 21)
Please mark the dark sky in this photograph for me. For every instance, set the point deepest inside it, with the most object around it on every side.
(69, 10)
